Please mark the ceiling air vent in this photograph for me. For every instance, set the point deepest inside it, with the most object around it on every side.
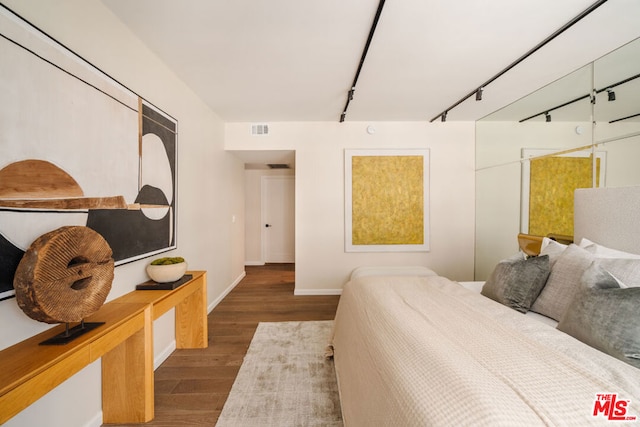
(278, 165)
(260, 129)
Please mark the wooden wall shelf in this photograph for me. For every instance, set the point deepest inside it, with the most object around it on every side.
(125, 344)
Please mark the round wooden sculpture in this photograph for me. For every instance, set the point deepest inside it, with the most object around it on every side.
(64, 276)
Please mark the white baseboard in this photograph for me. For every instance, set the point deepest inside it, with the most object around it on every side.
(96, 421)
(254, 263)
(166, 352)
(317, 291)
(162, 356)
(215, 302)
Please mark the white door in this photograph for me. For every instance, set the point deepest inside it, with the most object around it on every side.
(278, 218)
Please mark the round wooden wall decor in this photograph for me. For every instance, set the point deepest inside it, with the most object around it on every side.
(65, 275)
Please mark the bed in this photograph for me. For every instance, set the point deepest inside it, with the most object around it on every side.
(561, 347)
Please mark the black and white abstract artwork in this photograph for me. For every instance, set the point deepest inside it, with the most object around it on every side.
(70, 132)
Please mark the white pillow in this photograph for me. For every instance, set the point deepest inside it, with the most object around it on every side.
(550, 242)
(552, 248)
(625, 271)
(604, 252)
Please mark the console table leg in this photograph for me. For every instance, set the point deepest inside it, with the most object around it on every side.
(191, 318)
(127, 378)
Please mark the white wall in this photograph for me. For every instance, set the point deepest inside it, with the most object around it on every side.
(210, 190)
(322, 266)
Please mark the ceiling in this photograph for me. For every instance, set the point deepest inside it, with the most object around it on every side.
(295, 60)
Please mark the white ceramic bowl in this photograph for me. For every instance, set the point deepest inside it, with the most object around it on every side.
(166, 273)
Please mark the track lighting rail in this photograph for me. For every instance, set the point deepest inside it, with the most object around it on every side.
(624, 118)
(561, 30)
(607, 88)
(362, 58)
(548, 110)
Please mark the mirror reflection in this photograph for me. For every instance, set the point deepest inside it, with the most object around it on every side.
(617, 110)
(530, 155)
(557, 116)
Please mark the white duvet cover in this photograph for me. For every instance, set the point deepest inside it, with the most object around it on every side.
(425, 351)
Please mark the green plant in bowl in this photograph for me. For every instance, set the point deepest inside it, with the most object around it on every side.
(167, 260)
(167, 269)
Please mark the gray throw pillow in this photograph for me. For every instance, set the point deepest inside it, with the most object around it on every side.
(605, 316)
(517, 283)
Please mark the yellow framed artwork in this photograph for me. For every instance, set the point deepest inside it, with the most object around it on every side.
(548, 183)
(387, 200)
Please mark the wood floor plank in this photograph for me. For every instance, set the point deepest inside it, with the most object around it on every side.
(192, 385)
(203, 372)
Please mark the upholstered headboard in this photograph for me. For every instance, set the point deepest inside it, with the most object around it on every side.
(608, 216)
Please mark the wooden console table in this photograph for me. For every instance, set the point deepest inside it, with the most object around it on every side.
(125, 343)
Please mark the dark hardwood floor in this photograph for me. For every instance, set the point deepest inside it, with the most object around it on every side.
(191, 386)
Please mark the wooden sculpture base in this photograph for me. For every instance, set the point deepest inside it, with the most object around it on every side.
(71, 334)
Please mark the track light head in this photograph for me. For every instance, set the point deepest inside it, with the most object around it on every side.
(351, 92)
(611, 95)
(443, 118)
(342, 116)
(547, 117)
(479, 94)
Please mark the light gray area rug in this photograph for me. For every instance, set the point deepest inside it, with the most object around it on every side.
(285, 379)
